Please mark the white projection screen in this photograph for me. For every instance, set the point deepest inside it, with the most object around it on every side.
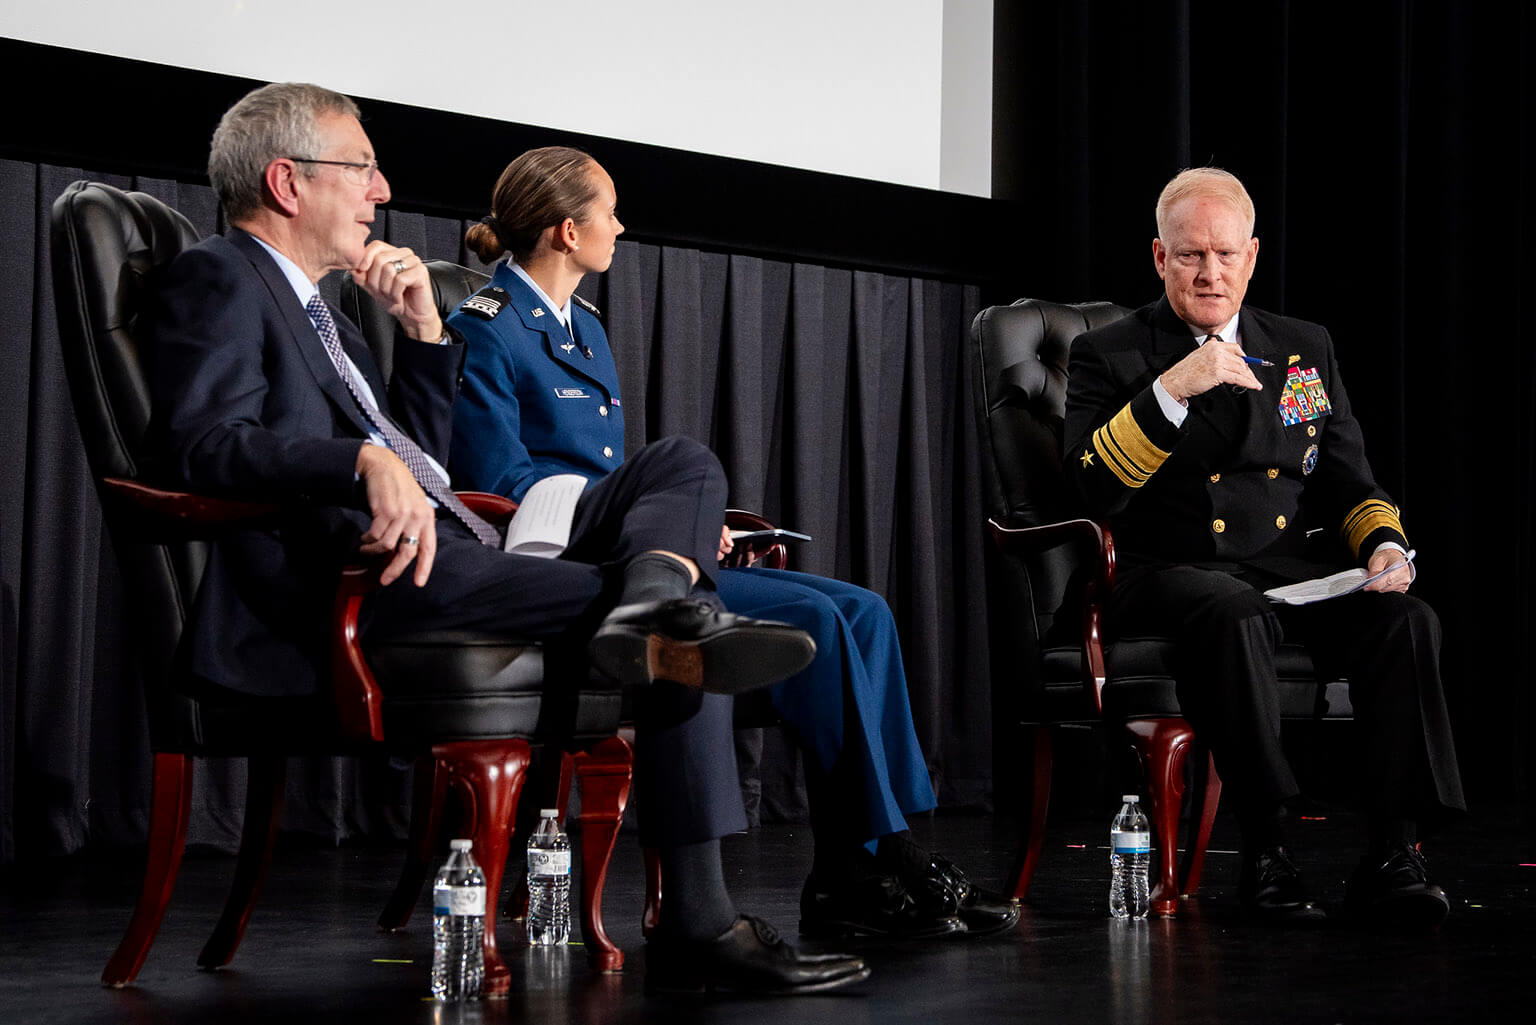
(896, 91)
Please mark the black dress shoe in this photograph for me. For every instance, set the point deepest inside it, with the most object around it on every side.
(1270, 889)
(695, 644)
(984, 914)
(1396, 891)
(871, 904)
(748, 958)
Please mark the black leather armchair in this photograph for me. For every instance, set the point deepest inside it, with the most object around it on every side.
(470, 702)
(1061, 571)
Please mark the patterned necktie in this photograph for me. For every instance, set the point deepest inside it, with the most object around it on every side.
(399, 442)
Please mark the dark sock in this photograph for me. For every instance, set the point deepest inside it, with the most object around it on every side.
(654, 577)
(1260, 826)
(695, 904)
(901, 854)
(1383, 833)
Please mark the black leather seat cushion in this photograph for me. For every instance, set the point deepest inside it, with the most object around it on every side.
(1141, 683)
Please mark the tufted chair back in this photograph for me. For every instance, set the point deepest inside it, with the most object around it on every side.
(106, 246)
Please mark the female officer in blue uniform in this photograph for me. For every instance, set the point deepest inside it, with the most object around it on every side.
(541, 397)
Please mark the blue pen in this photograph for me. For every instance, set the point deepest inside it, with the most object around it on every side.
(1254, 361)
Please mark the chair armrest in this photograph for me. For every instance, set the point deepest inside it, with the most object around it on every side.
(356, 697)
(1100, 543)
(358, 701)
(769, 556)
(493, 509)
(164, 515)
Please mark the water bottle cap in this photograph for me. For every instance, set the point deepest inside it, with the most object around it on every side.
(549, 813)
(1130, 798)
(461, 845)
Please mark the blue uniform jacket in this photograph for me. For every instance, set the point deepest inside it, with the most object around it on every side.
(535, 401)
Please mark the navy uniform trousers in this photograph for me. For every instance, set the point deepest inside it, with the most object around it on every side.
(1386, 645)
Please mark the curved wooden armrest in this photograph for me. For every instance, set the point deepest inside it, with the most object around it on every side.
(180, 515)
(769, 556)
(493, 509)
(1097, 538)
(358, 701)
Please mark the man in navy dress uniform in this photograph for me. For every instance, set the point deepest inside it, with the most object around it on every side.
(1212, 436)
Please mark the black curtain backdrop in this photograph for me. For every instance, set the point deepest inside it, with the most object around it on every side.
(1388, 147)
(836, 398)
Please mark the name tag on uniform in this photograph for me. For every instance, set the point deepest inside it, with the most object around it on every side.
(571, 393)
(1303, 397)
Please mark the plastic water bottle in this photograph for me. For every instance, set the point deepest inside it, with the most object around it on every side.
(458, 926)
(549, 883)
(1130, 857)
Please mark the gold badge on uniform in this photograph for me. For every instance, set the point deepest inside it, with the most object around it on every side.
(1295, 359)
(1309, 461)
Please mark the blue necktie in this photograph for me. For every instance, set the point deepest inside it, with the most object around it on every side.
(399, 442)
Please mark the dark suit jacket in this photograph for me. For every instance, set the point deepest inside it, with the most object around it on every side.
(248, 403)
(1235, 483)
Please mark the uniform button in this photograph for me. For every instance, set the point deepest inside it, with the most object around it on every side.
(602, 410)
(1311, 431)
(1280, 522)
(1215, 477)
(1273, 473)
(608, 452)
(1219, 525)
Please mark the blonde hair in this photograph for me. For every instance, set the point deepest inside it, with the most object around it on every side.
(1203, 181)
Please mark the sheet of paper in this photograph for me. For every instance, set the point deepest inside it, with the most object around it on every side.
(1323, 588)
(776, 534)
(542, 525)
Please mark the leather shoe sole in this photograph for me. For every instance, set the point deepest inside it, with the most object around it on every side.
(691, 643)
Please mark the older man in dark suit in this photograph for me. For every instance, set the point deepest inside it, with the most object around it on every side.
(260, 389)
(1212, 436)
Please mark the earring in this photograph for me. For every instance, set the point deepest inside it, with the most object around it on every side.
(574, 247)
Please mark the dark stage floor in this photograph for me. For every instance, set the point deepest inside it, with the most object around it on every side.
(312, 953)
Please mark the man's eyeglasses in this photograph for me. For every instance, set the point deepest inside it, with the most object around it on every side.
(361, 174)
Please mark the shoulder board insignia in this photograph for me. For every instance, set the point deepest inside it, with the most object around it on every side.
(587, 306)
(486, 303)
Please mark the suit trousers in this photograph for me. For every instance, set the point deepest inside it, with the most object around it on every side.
(1386, 645)
(671, 497)
(857, 669)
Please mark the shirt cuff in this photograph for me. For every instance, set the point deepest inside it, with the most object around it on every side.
(1171, 407)
(1391, 546)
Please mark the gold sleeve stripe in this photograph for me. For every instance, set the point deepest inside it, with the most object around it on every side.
(1124, 448)
(1372, 514)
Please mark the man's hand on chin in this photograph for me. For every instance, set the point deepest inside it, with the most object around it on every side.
(398, 281)
(404, 522)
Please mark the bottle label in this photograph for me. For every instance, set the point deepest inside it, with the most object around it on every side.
(548, 863)
(458, 900)
(1130, 843)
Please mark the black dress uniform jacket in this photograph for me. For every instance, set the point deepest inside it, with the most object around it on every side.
(1235, 483)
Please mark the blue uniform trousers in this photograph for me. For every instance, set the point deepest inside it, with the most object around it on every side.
(858, 666)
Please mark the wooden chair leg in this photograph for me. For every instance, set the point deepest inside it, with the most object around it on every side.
(489, 775)
(1206, 796)
(429, 789)
(1163, 745)
(263, 807)
(604, 773)
(651, 917)
(1032, 839)
(170, 808)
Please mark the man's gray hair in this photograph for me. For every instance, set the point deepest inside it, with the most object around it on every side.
(1204, 181)
(277, 120)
